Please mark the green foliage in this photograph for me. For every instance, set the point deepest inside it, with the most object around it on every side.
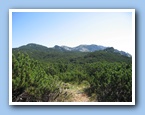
(28, 77)
(112, 82)
(38, 74)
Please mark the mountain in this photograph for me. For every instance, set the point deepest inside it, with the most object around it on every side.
(90, 48)
(33, 46)
(35, 51)
(40, 49)
(111, 49)
(81, 48)
(80, 54)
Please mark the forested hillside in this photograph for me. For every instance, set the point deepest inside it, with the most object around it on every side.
(41, 74)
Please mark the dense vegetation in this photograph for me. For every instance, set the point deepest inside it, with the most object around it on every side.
(41, 74)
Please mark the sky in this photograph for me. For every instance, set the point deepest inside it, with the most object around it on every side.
(112, 29)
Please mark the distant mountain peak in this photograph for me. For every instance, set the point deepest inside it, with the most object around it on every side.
(90, 48)
(81, 48)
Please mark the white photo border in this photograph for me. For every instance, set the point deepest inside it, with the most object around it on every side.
(71, 10)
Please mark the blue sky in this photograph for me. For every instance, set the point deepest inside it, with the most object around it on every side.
(72, 29)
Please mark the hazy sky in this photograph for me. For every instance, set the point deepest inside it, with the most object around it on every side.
(73, 29)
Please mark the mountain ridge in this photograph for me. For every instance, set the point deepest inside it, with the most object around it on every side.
(90, 48)
(79, 48)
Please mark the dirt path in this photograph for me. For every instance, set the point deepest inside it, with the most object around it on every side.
(80, 98)
(78, 94)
